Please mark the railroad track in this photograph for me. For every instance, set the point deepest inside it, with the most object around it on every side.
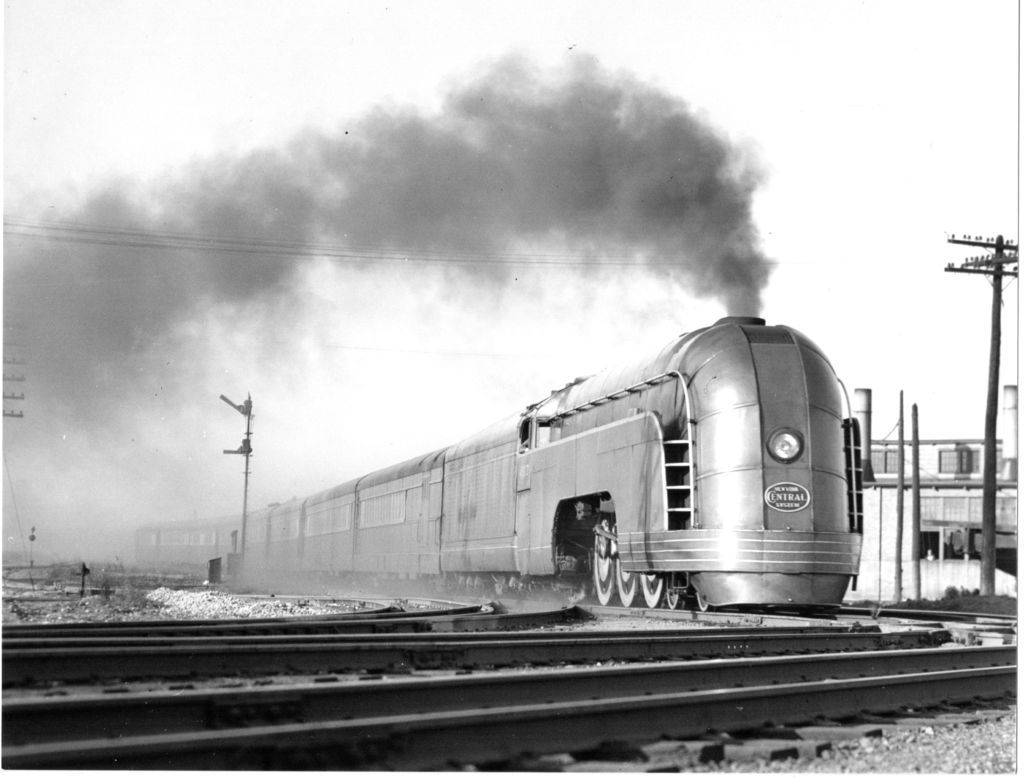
(445, 722)
(945, 616)
(965, 627)
(970, 628)
(377, 617)
(37, 660)
(384, 620)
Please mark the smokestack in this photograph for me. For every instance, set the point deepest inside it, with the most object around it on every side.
(862, 412)
(1009, 433)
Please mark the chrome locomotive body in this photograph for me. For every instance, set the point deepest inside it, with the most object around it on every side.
(776, 490)
(721, 466)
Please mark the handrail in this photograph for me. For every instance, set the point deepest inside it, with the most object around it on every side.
(853, 453)
(648, 383)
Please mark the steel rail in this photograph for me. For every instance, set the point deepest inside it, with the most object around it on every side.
(765, 617)
(97, 715)
(201, 625)
(271, 637)
(969, 628)
(323, 655)
(326, 623)
(189, 625)
(470, 619)
(930, 615)
(375, 612)
(820, 615)
(445, 739)
(780, 616)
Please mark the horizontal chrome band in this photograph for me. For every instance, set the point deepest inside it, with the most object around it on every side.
(741, 550)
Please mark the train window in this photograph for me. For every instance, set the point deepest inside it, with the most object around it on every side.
(414, 504)
(534, 432)
(174, 538)
(542, 436)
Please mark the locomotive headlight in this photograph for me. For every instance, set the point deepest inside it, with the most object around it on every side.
(786, 445)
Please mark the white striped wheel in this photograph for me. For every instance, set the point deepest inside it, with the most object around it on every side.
(653, 586)
(626, 583)
(702, 603)
(673, 598)
(604, 567)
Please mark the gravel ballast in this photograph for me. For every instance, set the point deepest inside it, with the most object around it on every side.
(985, 746)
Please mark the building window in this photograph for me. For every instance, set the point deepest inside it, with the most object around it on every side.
(885, 461)
(955, 544)
(931, 508)
(930, 545)
(956, 509)
(1006, 510)
(960, 461)
(977, 544)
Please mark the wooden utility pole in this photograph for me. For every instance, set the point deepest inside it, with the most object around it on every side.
(900, 481)
(915, 505)
(1002, 262)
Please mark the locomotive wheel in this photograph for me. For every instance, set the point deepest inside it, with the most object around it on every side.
(604, 569)
(653, 586)
(604, 578)
(702, 603)
(626, 583)
(673, 598)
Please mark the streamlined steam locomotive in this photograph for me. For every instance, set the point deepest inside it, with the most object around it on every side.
(723, 468)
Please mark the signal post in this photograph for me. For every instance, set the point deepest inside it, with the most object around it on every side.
(245, 449)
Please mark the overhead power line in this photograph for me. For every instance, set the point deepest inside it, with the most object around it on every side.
(91, 234)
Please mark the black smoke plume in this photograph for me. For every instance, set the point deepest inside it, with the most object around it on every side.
(595, 165)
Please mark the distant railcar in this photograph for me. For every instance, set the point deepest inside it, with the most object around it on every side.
(723, 467)
(186, 546)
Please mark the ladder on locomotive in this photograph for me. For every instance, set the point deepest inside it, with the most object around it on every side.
(854, 474)
(679, 473)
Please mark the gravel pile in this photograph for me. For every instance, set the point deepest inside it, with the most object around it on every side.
(213, 604)
(135, 604)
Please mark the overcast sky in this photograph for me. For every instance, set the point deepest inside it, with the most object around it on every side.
(627, 172)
